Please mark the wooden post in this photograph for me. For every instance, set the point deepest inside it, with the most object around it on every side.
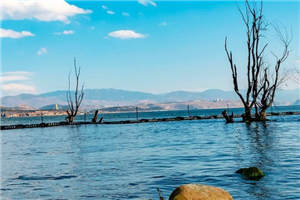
(101, 118)
(137, 113)
(84, 116)
(188, 110)
(94, 120)
(42, 117)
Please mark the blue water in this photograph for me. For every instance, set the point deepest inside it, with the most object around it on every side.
(130, 161)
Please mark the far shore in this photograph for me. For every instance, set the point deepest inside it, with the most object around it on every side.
(51, 113)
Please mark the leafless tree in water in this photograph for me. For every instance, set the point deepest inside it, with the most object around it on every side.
(262, 83)
(75, 101)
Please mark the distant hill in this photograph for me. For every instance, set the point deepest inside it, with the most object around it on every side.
(98, 98)
(35, 101)
(297, 102)
(210, 95)
(17, 108)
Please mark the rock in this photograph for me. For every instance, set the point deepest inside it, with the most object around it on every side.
(251, 173)
(199, 192)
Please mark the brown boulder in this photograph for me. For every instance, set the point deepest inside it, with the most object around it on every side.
(199, 192)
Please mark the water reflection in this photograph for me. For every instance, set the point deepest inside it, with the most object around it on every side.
(257, 142)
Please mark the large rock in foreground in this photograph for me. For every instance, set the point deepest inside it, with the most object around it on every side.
(199, 192)
(251, 173)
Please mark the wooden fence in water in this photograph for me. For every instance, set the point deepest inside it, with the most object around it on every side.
(53, 124)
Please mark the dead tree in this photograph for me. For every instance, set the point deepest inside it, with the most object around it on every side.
(228, 118)
(74, 102)
(260, 92)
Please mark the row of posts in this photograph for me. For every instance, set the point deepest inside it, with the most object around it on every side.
(136, 114)
(96, 114)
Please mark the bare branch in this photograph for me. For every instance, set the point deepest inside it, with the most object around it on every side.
(234, 72)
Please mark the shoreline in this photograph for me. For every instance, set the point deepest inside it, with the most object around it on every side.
(52, 113)
(53, 124)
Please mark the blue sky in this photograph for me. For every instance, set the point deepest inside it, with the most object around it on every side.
(150, 46)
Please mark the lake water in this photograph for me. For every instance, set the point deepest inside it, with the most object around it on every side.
(130, 161)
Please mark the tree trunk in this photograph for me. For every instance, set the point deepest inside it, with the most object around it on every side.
(262, 115)
(228, 118)
(247, 115)
(70, 119)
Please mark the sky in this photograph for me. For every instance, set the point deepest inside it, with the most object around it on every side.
(142, 45)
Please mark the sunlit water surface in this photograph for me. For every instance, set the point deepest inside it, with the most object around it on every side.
(131, 161)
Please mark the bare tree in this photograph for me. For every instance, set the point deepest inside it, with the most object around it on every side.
(260, 90)
(74, 102)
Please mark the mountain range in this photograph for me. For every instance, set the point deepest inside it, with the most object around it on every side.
(115, 97)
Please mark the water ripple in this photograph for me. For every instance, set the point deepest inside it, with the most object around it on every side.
(35, 178)
(131, 161)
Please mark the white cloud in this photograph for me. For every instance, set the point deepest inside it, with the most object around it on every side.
(42, 51)
(110, 12)
(65, 32)
(125, 14)
(126, 34)
(16, 82)
(297, 61)
(42, 10)
(17, 73)
(16, 88)
(14, 76)
(147, 2)
(68, 32)
(8, 33)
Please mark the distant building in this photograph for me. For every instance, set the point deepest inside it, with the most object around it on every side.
(218, 100)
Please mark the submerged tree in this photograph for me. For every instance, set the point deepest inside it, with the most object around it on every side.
(261, 82)
(74, 102)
